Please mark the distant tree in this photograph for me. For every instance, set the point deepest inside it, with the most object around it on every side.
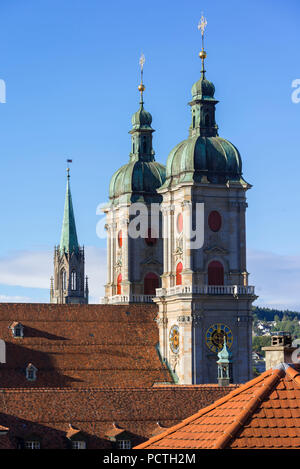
(259, 342)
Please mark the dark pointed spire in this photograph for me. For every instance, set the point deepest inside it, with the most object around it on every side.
(68, 240)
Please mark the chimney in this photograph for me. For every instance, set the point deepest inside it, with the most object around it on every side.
(280, 350)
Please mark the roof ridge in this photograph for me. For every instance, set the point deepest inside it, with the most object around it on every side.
(248, 410)
(207, 409)
(293, 374)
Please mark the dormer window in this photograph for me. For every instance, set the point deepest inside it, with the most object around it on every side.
(76, 438)
(32, 444)
(17, 329)
(31, 372)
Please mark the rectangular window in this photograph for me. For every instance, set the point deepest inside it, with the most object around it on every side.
(32, 445)
(124, 444)
(78, 445)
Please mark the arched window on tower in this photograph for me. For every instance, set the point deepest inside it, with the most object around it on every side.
(179, 274)
(151, 282)
(207, 122)
(64, 279)
(119, 286)
(151, 237)
(144, 145)
(215, 273)
(73, 280)
(194, 121)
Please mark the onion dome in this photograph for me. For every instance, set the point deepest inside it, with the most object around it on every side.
(141, 119)
(137, 181)
(204, 159)
(203, 89)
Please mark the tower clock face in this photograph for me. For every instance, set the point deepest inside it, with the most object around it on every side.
(174, 339)
(214, 337)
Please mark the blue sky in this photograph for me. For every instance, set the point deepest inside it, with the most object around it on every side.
(71, 73)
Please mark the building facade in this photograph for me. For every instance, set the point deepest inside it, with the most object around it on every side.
(203, 295)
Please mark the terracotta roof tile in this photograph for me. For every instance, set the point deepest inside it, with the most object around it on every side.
(263, 413)
(47, 412)
(79, 345)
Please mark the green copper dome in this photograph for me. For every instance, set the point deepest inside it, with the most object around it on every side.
(141, 119)
(203, 89)
(213, 157)
(138, 180)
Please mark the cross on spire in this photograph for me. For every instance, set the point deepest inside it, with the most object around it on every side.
(141, 86)
(202, 54)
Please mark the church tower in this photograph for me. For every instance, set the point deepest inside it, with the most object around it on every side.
(133, 219)
(69, 284)
(205, 297)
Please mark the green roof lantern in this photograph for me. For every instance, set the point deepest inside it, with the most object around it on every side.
(68, 240)
(203, 157)
(224, 366)
(224, 356)
(138, 180)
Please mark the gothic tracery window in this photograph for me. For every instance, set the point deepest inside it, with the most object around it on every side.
(73, 281)
(64, 279)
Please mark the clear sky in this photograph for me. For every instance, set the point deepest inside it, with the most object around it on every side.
(71, 73)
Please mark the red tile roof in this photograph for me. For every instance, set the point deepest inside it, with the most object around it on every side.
(114, 431)
(82, 345)
(263, 413)
(99, 414)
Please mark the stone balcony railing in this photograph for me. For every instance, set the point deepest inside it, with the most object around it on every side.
(119, 299)
(207, 290)
(234, 290)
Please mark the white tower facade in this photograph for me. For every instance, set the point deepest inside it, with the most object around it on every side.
(205, 297)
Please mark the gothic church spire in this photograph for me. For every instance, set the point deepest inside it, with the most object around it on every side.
(68, 240)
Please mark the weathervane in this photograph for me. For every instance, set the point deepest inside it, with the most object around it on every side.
(141, 86)
(68, 169)
(202, 26)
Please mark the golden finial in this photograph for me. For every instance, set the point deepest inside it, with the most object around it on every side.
(202, 26)
(141, 86)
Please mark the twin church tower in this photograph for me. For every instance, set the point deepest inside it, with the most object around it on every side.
(201, 290)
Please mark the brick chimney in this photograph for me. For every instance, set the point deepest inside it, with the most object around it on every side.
(280, 350)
